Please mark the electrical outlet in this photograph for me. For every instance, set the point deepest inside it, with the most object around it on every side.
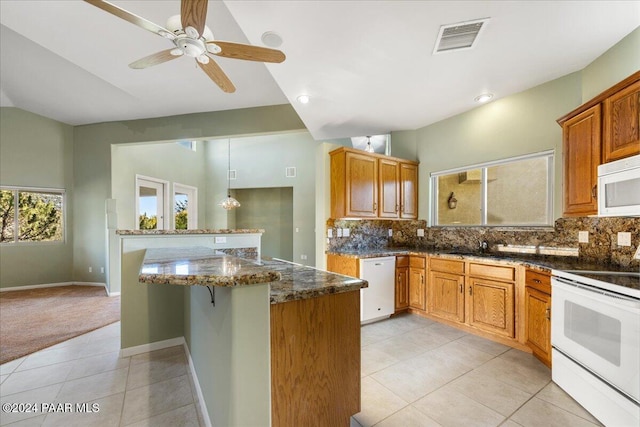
(637, 255)
(90, 269)
(339, 232)
(220, 239)
(420, 232)
(102, 270)
(330, 233)
(297, 230)
(583, 237)
(303, 256)
(624, 239)
(346, 232)
(390, 233)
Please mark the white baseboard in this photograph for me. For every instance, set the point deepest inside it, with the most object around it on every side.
(52, 285)
(196, 383)
(153, 346)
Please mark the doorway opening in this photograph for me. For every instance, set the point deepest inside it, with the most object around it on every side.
(272, 210)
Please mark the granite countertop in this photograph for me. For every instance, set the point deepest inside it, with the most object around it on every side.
(206, 267)
(539, 262)
(197, 231)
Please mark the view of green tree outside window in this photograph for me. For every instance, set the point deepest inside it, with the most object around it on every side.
(181, 214)
(39, 217)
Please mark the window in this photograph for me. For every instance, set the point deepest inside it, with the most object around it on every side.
(190, 145)
(40, 215)
(151, 195)
(185, 207)
(511, 192)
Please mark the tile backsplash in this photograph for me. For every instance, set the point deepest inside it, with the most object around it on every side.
(602, 246)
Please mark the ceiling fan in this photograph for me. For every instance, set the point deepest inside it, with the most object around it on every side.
(193, 38)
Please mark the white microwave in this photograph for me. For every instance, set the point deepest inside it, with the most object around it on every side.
(619, 187)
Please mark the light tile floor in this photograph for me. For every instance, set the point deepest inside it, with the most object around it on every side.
(415, 372)
(420, 373)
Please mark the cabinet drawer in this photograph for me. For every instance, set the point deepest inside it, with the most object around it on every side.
(538, 280)
(447, 265)
(417, 261)
(492, 271)
(402, 261)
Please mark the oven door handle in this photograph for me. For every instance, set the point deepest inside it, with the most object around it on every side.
(601, 295)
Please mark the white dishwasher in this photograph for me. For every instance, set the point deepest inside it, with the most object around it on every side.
(378, 300)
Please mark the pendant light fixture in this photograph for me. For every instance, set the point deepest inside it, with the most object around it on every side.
(229, 202)
(369, 147)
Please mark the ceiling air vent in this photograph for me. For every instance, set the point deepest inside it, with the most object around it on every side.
(290, 172)
(462, 35)
(231, 174)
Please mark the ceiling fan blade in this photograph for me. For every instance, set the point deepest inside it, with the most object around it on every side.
(193, 13)
(155, 59)
(248, 52)
(134, 19)
(216, 74)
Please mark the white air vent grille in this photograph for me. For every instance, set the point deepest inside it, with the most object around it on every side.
(232, 174)
(290, 172)
(459, 36)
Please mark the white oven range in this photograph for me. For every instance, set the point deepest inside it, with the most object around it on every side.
(595, 337)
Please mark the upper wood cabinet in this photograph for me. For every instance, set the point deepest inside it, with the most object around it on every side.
(365, 185)
(603, 129)
(581, 150)
(621, 131)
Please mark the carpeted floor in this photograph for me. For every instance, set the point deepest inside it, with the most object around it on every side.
(34, 319)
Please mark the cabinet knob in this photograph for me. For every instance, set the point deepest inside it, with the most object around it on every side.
(397, 208)
(375, 206)
(594, 192)
(460, 287)
(548, 313)
(470, 290)
(537, 281)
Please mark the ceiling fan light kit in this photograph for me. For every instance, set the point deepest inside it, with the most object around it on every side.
(193, 38)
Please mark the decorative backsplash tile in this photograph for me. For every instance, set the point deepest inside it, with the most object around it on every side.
(602, 246)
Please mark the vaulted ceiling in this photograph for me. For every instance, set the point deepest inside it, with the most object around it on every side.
(367, 66)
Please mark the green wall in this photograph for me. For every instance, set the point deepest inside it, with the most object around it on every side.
(617, 63)
(519, 124)
(92, 163)
(36, 152)
(166, 161)
(260, 162)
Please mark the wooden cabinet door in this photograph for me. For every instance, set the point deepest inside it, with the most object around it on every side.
(581, 151)
(621, 127)
(538, 323)
(408, 191)
(417, 288)
(446, 295)
(388, 188)
(362, 185)
(402, 288)
(491, 306)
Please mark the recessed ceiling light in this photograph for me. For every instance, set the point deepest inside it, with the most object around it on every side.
(303, 99)
(485, 97)
(271, 39)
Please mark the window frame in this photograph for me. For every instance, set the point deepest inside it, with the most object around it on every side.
(166, 207)
(16, 221)
(192, 218)
(433, 188)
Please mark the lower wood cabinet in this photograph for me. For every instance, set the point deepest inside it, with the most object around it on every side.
(491, 306)
(537, 296)
(418, 282)
(402, 283)
(446, 289)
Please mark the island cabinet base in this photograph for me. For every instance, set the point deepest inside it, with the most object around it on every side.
(315, 361)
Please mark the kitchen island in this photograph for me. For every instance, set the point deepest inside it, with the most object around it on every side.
(271, 342)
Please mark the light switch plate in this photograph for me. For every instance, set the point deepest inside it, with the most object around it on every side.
(624, 239)
(390, 232)
(339, 232)
(420, 232)
(330, 233)
(583, 237)
(345, 232)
